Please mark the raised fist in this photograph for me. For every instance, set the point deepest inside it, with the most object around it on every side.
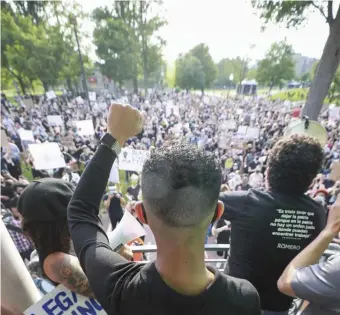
(123, 122)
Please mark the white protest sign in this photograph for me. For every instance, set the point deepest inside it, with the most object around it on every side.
(26, 135)
(54, 120)
(4, 141)
(102, 106)
(79, 100)
(46, 156)
(63, 301)
(229, 125)
(242, 131)
(333, 114)
(171, 110)
(92, 96)
(28, 103)
(114, 174)
(50, 95)
(239, 111)
(85, 127)
(132, 160)
(253, 133)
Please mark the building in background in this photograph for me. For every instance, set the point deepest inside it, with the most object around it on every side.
(303, 64)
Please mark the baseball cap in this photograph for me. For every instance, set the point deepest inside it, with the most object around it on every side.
(45, 200)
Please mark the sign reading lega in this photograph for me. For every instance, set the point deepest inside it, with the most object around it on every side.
(62, 301)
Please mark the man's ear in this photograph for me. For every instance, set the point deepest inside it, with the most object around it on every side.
(140, 211)
(219, 210)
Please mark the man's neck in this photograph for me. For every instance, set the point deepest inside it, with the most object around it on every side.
(183, 269)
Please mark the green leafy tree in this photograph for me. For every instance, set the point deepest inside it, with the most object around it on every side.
(277, 66)
(201, 52)
(294, 13)
(189, 73)
(226, 67)
(251, 74)
(305, 77)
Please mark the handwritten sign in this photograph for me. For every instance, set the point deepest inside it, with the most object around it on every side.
(62, 301)
(85, 127)
(242, 131)
(54, 120)
(26, 135)
(92, 96)
(67, 141)
(132, 160)
(46, 156)
(51, 95)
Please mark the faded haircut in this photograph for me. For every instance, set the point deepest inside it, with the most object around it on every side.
(181, 184)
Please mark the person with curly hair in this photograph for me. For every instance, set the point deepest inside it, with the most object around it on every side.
(269, 228)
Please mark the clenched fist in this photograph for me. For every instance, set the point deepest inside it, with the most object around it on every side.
(123, 122)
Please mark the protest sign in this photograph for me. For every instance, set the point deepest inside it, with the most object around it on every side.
(253, 133)
(28, 103)
(102, 106)
(26, 135)
(242, 131)
(50, 95)
(46, 156)
(114, 174)
(132, 160)
(4, 141)
(229, 125)
(79, 100)
(333, 114)
(54, 120)
(92, 96)
(67, 141)
(171, 110)
(239, 111)
(62, 301)
(84, 127)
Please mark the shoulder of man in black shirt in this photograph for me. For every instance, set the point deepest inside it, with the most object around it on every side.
(268, 230)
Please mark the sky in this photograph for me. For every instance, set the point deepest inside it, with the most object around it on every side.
(229, 28)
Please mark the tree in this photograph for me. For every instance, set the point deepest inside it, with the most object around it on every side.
(278, 65)
(201, 52)
(305, 77)
(292, 14)
(251, 74)
(125, 40)
(226, 67)
(189, 73)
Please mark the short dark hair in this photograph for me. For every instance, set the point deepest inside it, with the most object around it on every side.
(293, 163)
(181, 184)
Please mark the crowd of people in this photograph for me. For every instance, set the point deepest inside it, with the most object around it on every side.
(275, 194)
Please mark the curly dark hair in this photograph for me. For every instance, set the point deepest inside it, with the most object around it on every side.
(293, 163)
(181, 184)
(48, 237)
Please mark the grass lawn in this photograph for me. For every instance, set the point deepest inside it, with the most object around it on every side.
(293, 95)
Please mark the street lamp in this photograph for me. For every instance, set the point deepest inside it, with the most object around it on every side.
(73, 21)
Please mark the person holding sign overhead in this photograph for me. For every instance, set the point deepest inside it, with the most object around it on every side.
(180, 185)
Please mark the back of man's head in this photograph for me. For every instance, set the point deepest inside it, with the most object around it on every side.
(181, 184)
(294, 162)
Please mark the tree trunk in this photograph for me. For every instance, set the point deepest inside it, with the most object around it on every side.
(22, 85)
(135, 85)
(45, 86)
(325, 72)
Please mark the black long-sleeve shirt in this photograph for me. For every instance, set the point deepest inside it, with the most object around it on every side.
(124, 287)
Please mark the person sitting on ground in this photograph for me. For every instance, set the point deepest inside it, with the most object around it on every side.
(180, 185)
(43, 207)
(317, 283)
(269, 228)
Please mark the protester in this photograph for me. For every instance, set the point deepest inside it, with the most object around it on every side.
(180, 187)
(270, 227)
(43, 206)
(317, 283)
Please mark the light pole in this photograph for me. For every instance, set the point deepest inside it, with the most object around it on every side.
(74, 22)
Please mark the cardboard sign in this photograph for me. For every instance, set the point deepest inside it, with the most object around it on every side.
(50, 95)
(92, 96)
(54, 120)
(46, 156)
(132, 160)
(28, 103)
(26, 135)
(62, 301)
(85, 127)
(67, 141)
(4, 141)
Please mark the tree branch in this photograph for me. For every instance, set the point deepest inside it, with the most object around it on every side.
(320, 10)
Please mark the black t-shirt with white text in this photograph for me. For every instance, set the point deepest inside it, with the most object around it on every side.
(268, 230)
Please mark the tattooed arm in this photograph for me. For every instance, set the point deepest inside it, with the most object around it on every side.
(66, 270)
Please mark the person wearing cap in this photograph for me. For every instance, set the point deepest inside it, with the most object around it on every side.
(43, 207)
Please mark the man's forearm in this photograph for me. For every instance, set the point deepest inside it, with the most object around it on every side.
(309, 256)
